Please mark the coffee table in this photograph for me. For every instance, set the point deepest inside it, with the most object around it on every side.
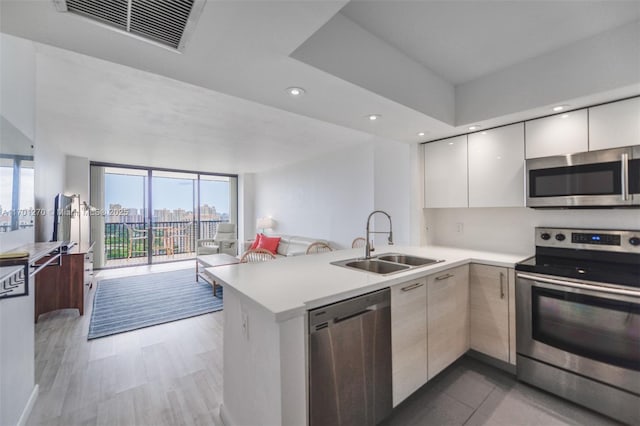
(212, 260)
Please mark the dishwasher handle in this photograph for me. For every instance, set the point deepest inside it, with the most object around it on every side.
(336, 313)
(357, 314)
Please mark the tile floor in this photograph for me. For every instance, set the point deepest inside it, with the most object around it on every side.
(470, 392)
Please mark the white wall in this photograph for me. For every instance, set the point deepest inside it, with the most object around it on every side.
(17, 88)
(246, 208)
(16, 315)
(392, 189)
(326, 198)
(17, 111)
(331, 196)
(50, 180)
(378, 67)
(512, 229)
(601, 63)
(77, 182)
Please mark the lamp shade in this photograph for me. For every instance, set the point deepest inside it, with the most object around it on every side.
(265, 223)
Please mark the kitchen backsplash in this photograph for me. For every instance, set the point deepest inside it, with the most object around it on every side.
(511, 229)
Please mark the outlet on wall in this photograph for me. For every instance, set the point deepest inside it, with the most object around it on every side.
(459, 227)
(245, 325)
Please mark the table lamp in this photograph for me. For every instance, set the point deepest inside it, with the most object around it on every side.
(265, 223)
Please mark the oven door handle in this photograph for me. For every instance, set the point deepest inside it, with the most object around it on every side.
(625, 176)
(580, 285)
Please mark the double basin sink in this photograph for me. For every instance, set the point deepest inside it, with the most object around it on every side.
(387, 263)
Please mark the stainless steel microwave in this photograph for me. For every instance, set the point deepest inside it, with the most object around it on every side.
(605, 178)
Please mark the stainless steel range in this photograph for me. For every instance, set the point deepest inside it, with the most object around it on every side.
(578, 318)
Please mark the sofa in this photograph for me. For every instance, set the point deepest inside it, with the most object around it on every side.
(290, 245)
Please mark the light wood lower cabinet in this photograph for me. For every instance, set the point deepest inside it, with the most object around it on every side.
(447, 318)
(489, 310)
(408, 337)
(436, 319)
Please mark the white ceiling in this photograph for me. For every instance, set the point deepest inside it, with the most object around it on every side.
(240, 59)
(463, 40)
(112, 113)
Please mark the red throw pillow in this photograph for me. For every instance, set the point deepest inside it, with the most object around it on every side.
(255, 242)
(269, 243)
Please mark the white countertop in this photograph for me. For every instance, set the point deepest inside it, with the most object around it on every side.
(287, 287)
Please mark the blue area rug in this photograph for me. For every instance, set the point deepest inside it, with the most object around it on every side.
(129, 303)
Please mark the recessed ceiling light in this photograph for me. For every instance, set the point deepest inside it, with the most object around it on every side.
(295, 91)
(564, 116)
(450, 143)
(474, 127)
(558, 108)
(373, 117)
(421, 133)
(483, 133)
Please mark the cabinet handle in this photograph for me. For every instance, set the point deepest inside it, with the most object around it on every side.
(501, 285)
(412, 287)
(444, 277)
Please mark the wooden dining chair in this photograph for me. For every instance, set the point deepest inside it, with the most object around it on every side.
(318, 247)
(358, 242)
(180, 238)
(256, 255)
(137, 239)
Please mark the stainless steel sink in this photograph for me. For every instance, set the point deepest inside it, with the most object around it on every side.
(387, 263)
(407, 259)
(376, 266)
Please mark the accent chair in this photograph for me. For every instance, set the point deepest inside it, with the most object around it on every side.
(224, 241)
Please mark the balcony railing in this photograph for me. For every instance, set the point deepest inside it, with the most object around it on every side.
(6, 227)
(129, 240)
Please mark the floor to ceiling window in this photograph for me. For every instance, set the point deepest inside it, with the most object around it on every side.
(16, 192)
(150, 215)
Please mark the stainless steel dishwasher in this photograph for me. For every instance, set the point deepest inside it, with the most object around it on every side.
(350, 361)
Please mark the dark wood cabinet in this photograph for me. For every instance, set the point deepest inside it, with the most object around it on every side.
(63, 287)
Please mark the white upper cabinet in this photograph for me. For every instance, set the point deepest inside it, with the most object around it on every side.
(496, 167)
(557, 135)
(614, 125)
(445, 172)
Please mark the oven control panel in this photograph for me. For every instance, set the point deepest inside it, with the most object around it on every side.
(589, 239)
(595, 238)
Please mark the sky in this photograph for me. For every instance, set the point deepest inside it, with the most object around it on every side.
(169, 193)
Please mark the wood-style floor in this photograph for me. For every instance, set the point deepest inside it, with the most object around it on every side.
(170, 374)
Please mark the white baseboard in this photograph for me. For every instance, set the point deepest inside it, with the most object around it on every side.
(27, 409)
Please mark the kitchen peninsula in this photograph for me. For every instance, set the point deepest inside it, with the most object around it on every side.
(265, 323)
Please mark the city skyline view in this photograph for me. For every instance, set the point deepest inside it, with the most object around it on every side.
(173, 199)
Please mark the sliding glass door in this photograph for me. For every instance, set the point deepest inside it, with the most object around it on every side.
(173, 224)
(126, 223)
(153, 216)
(217, 203)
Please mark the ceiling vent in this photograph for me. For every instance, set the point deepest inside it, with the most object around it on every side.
(167, 22)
